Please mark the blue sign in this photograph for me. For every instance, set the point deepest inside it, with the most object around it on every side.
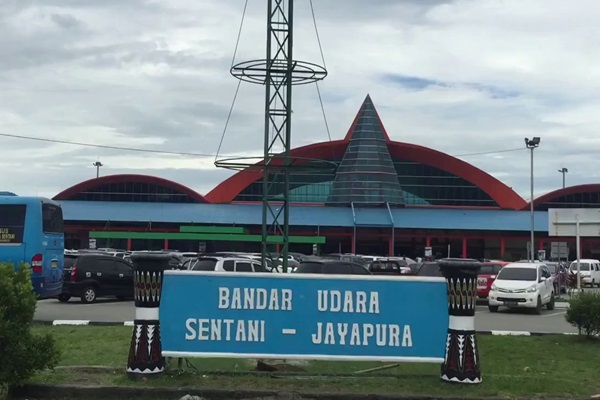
(303, 316)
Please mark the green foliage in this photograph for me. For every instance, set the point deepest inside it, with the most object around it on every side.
(584, 313)
(22, 352)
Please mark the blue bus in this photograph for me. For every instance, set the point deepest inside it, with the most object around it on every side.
(32, 231)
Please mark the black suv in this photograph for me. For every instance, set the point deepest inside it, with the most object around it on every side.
(89, 276)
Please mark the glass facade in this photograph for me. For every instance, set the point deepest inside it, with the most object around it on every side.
(134, 192)
(578, 200)
(366, 173)
(434, 186)
(306, 185)
(421, 185)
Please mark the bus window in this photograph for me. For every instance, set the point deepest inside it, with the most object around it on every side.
(12, 223)
(52, 219)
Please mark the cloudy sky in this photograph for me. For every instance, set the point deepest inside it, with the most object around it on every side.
(460, 76)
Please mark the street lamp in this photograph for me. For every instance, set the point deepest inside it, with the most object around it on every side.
(531, 144)
(97, 164)
(563, 171)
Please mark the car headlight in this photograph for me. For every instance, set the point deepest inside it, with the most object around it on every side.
(494, 287)
(532, 289)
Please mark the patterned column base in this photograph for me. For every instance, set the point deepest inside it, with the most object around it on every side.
(145, 353)
(461, 363)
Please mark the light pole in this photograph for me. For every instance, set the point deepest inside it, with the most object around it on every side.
(98, 164)
(531, 145)
(563, 171)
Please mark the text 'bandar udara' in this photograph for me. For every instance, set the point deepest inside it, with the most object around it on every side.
(328, 333)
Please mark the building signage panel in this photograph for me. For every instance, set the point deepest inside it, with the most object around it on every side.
(570, 222)
(303, 316)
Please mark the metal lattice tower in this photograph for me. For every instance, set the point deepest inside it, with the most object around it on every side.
(278, 72)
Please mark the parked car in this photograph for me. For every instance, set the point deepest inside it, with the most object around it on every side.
(89, 276)
(486, 276)
(589, 270)
(522, 285)
(429, 268)
(330, 266)
(230, 264)
(407, 260)
(346, 257)
(389, 267)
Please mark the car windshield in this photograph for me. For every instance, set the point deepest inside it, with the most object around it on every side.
(518, 274)
(490, 269)
(309, 268)
(582, 266)
(204, 265)
(429, 269)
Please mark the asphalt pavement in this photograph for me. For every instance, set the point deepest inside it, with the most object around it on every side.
(121, 311)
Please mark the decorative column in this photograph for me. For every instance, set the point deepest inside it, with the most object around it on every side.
(461, 362)
(145, 354)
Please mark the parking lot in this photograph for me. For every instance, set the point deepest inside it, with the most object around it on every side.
(121, 311)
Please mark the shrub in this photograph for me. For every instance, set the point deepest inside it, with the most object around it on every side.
(22, 352)
(584, 313)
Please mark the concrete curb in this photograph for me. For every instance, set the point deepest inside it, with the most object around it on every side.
(62, 322)
(43, 391)
(81, 322)
(524, 333)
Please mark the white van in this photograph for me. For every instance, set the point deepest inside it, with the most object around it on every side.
(590, 271)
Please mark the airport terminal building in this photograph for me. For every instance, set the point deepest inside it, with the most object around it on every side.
(367, 195)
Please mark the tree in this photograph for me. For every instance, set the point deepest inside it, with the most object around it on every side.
(584, 313)
(22, 352)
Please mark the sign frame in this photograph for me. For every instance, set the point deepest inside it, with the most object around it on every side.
(573, 222)
(577, 222)
(297, 356)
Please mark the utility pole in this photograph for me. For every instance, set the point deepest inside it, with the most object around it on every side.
(278, 72)
(532, 144)
(98, 164)
(563, 171)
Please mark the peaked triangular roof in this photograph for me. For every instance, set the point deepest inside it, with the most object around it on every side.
(368, 106)
(366, 174)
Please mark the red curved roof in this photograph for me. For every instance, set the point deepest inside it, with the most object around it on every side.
(498, 191)
(74, 190)
(577, 189)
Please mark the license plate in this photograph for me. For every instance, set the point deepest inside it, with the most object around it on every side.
(481, 283)
(54, 264)
(511, 303)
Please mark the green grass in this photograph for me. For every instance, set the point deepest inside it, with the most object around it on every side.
(550, 366)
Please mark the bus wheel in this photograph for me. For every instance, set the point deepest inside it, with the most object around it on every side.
(63, 298)
(89, 295)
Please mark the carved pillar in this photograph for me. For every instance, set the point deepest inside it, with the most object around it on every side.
(461, 362)
(145, 354)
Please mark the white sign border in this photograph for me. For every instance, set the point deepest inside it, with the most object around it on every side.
(308, 357)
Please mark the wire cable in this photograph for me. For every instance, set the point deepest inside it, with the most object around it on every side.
(314, 18)
(484, 153)
(102, 146)
(237, 89)
(188, 154)
(312, 10)
(239, 36)
(323, 110)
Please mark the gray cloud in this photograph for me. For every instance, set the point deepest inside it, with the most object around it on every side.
(155, 74)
